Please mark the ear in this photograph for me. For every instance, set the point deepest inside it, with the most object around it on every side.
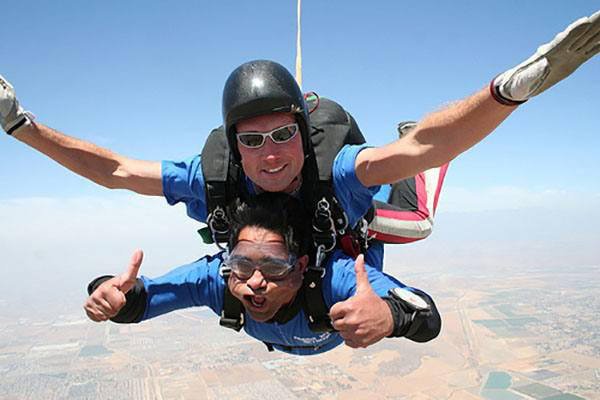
(302, 263)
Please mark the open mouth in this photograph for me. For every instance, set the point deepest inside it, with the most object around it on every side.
(256, 301)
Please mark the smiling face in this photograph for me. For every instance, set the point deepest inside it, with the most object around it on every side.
(262, 298)
(274, 167)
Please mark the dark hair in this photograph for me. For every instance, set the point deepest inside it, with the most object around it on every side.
(276, 212)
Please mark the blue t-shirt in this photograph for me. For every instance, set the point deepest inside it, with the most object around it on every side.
(200, 284)
(183, 182)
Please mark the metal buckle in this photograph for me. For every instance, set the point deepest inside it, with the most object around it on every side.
(224, 271)
(321, 253)
(218, 216)
(364, 232)
(231, 322)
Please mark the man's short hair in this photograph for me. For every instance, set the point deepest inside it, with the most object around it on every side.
(276, 212)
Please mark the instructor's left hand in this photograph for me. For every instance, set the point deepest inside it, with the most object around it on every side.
(363, 319)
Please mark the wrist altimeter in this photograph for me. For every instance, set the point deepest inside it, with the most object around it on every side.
(408, 310)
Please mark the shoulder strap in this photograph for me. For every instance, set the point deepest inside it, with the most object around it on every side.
(332, 128)
(222, 182)
(314, 305)
(232, 315)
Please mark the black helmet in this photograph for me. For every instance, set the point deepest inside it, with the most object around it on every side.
(262, 87)
(405, 126)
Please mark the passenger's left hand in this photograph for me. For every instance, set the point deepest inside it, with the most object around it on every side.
(363, 319)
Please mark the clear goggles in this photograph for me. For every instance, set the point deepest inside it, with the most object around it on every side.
(254, 140)
(268, 258)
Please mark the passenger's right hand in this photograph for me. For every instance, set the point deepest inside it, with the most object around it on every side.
(12, 115)
(109, 298)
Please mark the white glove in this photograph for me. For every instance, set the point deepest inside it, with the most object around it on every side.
(551, 63)
(12, 115)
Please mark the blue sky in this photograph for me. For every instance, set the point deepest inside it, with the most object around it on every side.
(144, 78)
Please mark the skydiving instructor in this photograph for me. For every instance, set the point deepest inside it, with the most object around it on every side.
(270, 139)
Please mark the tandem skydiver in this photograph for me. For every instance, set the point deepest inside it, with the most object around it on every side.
(265, 285)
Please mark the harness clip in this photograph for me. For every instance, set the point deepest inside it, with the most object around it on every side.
(219, 226)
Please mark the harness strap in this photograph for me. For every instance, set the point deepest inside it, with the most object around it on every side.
(222, 180)
(314, 305)
(232, 315)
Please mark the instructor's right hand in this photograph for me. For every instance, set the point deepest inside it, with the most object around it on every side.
(12, 115)
(109, 298)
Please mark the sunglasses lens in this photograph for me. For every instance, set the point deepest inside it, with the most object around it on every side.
(251, 139)
(271, 270)
(284, 134)
(243, 269)
(274, 270)
(279, 135)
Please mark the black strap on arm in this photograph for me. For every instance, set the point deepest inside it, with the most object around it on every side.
(418, 326)
(136, 298)
(425, 326)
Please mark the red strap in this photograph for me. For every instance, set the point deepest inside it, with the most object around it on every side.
(350, 245)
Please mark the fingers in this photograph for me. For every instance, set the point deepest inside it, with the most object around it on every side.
(591, 44)
(362, 278)
(356, 340)
(94, 314)
(354, 344)
(339, 310)
(128, 278)
(105, 302)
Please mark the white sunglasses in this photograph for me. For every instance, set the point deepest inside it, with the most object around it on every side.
(254, 140)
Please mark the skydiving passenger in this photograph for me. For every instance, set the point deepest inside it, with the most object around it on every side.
(263, 112)
(266, 272)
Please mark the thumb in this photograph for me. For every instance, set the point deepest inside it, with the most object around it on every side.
(128, 278)
(362, 278)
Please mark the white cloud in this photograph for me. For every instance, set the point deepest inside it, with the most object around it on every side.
(58, 242)
(458, 199)
(67, 241)
(507, 227)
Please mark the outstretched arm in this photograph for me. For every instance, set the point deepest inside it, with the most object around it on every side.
(436, 140)
(128, 299)
(443, 135)
(100, 165)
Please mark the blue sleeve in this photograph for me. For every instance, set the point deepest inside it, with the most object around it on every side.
(339, 283)
(355, 198)
(183, 181)
(195, 284)
(383, 194)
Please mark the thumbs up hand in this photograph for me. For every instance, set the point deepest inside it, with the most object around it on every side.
(363, 319)
(109, 298)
